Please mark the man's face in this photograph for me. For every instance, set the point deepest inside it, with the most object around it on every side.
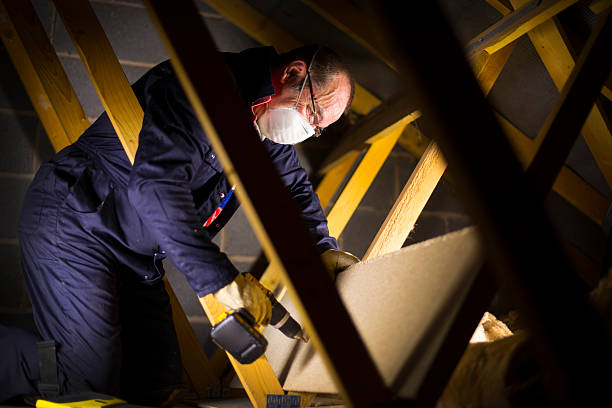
(330, 101)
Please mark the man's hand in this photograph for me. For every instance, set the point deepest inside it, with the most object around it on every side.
(336, 261)
(244, 294)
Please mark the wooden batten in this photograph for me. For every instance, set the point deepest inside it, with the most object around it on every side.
(104, 70)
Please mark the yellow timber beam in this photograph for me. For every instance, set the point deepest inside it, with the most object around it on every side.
(41, 73)
(409, 205)
(105, 72)
(126, 115)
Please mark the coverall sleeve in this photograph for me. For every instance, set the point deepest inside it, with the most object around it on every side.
(172, 145)
(296, 179)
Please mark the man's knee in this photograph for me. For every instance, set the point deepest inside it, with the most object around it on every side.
(18, 363)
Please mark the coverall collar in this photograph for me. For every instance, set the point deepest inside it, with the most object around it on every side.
(252, 70)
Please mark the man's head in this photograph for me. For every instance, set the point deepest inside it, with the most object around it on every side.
(327, 84)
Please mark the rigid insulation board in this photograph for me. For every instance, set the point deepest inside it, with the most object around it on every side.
(402, 305)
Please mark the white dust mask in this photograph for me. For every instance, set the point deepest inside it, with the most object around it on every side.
(284, 125)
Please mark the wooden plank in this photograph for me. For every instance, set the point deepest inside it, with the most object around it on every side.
(407, 209)
(555, 54)
(319, 305)
(361, 180)
(562, 126)
(264, 31)
(514, 25)
(257, 378)
(382, 121)
(126, 115)
(104, 69)
(333, 178)
(41, 73)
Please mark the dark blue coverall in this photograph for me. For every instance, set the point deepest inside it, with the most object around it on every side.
(94, 229)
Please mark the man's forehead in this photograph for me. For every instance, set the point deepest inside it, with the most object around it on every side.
(335, 97)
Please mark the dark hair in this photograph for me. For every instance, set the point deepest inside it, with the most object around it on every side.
(326, 65)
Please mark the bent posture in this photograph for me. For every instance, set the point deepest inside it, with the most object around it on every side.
(94, 229)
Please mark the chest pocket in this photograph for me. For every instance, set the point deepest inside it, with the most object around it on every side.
(213, 161)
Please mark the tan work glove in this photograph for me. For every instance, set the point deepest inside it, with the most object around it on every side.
(242, 293)
(336, 261)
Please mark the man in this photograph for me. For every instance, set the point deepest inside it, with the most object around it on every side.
(94, 229)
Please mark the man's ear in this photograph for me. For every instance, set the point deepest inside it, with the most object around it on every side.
(293, 72)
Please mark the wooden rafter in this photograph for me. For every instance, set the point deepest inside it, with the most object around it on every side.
(106, 73)
(410, 203)
(359, 183)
